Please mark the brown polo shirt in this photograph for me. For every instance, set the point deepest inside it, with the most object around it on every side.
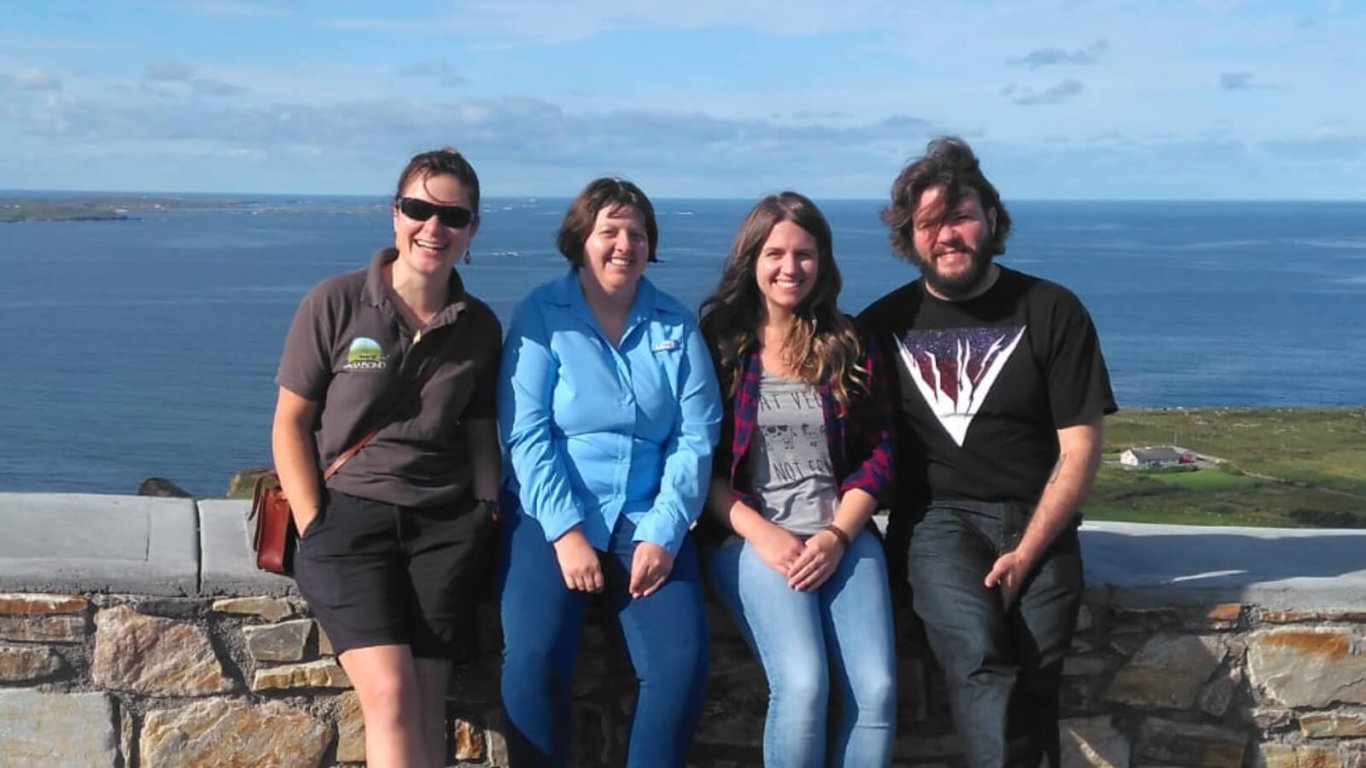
(350, 351)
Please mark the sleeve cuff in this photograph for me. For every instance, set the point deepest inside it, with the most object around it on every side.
(660, 532)
(559, 524)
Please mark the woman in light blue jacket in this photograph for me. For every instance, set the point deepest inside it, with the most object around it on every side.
(608, 408)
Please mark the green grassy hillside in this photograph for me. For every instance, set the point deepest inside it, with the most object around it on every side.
(1292, 467)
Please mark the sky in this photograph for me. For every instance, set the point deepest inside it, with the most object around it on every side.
(1062, 99)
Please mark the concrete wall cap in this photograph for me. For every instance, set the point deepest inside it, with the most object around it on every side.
(106, 543)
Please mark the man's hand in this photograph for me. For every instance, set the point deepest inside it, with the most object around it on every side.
(650, 566)
(1079, 449)
(817, 561)
(578, 562)
(1009, 574)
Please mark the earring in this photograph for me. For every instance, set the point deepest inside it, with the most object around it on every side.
(467, 256)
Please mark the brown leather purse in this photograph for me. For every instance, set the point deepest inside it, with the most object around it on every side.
(272, 540)
(274, 535)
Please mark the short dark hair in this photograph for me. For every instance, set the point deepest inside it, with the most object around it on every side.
(606, 192)
(948, 162)
(446, 161)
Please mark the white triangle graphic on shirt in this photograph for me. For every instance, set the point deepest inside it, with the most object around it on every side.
(934, 357)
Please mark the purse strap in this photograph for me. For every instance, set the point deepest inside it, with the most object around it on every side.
(346, 455)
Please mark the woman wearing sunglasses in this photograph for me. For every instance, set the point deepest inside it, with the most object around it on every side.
(608, 408)
(390, 547)
(804, 461)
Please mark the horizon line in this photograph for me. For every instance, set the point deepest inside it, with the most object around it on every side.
(39, 193)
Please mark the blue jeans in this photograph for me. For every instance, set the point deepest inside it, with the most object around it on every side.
(830, 647)
(1003, 664)
(665, 634)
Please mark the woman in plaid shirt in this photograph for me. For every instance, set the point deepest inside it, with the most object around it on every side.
(804, 461)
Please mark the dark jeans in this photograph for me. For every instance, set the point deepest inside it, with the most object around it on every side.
(1003, 664)
(665, 634)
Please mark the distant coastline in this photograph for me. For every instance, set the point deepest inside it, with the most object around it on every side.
(94, 206)
(18, 206)
(14, 210)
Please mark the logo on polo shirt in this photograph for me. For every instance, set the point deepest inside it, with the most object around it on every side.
(364, 354)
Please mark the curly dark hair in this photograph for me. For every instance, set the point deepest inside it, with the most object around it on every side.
(948, 162)
(823, 345)
(606, 192)
(446, 161)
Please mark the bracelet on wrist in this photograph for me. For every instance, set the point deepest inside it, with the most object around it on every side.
(491, 507)
(839, 535)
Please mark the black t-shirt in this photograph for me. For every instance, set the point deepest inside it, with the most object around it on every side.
(984, 385)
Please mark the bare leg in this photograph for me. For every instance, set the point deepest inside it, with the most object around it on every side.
(433, 680)
(386, 684)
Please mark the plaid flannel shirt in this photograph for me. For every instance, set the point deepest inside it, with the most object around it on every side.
(859, 438)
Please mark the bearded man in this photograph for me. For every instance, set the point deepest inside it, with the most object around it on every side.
(1002, 390)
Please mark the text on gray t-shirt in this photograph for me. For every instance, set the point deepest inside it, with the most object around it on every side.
(790, 461)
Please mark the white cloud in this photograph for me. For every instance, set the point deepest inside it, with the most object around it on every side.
(164, 78)
(440, 72)
(1054, 94)
(704, 95)
(209, 86)
(533, 22)
(236, 9)
(168, 71)
(32, 79)
(1048, 57)
(510, 131)
(1345, 149)
(1240, 81)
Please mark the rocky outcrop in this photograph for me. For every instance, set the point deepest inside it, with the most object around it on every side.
(160, 486)
(241, 483)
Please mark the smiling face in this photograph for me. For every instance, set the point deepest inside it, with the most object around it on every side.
(429, 247)
(950, 244)
(615, 252)
(786, 268)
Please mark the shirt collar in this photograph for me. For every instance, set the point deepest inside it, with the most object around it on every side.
(377, 293)
(569, 293)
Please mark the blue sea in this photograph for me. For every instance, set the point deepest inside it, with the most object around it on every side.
(148, 347)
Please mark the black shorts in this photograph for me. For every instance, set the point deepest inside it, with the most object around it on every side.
(379, 574)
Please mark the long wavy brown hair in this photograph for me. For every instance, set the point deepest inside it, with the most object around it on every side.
(823, 346)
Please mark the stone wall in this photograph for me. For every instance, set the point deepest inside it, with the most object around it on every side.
(124, 680)
(95, 678)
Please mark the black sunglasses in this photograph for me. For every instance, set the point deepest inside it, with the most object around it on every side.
(453, 216)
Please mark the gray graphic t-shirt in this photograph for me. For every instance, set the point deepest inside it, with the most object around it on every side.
(790, 459)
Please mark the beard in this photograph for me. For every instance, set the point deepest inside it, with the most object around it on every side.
(959, 286)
